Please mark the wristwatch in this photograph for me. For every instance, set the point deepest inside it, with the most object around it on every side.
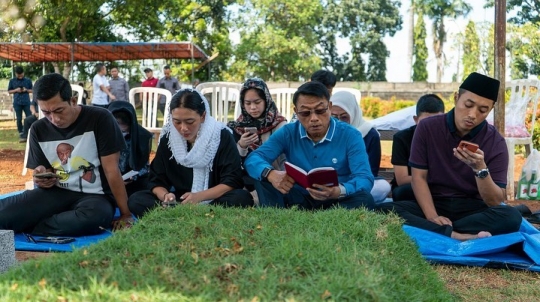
(482, 173)
(266, 171)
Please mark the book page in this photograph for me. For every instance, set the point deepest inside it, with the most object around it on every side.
(129, 174)
(320, 169)
(296, 168)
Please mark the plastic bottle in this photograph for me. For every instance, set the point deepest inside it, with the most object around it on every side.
(523, 187)
(533, 186)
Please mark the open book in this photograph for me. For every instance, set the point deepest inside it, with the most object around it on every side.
(326, 176)
(129, 175)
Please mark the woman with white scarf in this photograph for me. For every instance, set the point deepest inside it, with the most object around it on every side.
(196, 161)
(345, 108)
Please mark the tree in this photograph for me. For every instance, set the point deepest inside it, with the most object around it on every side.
(471, 50)
(438, 11)
(526, 10)
(524, 47)
(277, 40)
(420, 73)
(364, 23)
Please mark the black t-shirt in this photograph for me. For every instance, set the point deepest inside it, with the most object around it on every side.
(226, 168)
(74, 152)
(401, 150)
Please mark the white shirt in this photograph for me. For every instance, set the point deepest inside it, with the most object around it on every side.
(99, 97)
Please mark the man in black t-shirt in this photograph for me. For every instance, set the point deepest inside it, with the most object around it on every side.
(80, 146)
(428, 105)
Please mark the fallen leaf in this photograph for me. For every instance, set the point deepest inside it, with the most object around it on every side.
(237, 247)
(61, 299)
(42, 282)
(14, 286)
(326, 295)
(255, 299)
(83, 263)
(85, 252)
(259, 227)
(195, 257)
(134, 297)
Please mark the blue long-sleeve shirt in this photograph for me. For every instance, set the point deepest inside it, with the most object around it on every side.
(343, 149)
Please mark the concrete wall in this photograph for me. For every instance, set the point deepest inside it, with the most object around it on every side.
(386, 90)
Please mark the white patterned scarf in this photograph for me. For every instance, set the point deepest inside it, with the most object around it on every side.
(201, 156)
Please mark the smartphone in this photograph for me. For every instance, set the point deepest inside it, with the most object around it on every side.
(471, 146)
(169, 204)
(57, 240)
(46, 175)
(252, 130)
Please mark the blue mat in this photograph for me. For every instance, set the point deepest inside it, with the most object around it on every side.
(519, 250)
(22, 244)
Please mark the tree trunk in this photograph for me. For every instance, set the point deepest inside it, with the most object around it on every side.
(411, 40)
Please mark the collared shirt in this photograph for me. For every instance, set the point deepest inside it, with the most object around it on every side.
(170, 84)
(448, 177)
(119, 88)
(342, 148)
(20, 98)
(99, 96)
(150, 82)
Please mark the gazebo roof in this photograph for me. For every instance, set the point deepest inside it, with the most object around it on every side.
(98, 51)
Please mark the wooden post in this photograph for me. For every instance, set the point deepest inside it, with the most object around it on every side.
(500, 61)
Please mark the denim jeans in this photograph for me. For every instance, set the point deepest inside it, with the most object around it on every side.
(18, 113)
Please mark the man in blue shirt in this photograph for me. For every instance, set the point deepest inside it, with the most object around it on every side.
(316, 140)
(21, 88)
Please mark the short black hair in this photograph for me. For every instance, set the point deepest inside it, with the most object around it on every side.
(19, 69)
(326, 77)
(313, 88)
(166, 67)
(188, 99)
(51, 85)
(99, 66)
(147, 70)
(429, 103)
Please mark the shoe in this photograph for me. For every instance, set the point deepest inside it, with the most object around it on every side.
(22, 140)
(524, 210)
(534, 218)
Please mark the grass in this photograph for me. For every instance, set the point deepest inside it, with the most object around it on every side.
(212, 253)
(9, 137)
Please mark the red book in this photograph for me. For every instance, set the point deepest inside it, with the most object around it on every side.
(326, 176)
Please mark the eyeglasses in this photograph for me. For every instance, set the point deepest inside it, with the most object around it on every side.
(307, 113)
(343, 117)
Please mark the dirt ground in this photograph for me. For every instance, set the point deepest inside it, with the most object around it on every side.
(11, 164)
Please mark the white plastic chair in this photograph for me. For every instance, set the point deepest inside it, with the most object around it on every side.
(356, 92)
(149, 97)
(222, 94)
(283, 97)
(524, 95)
(75, 89)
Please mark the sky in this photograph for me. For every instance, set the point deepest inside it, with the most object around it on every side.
(398, 63)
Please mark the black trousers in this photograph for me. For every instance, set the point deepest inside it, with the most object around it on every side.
(403, 192)
(468, 216)
(144, 201)
(57, 212)
(271, 197)
(28, 121)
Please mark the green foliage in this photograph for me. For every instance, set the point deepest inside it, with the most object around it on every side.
(524, 47)
(375, 107)
(420, 52)
(525, 11)
(277, 40)
(438, 11)
(216, 254)
(365, 23)
(471, 50)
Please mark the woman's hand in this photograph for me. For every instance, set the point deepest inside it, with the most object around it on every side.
(190, 198)
(247, 139)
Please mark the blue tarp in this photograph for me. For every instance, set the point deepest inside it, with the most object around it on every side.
(22, 244)
(519, 250)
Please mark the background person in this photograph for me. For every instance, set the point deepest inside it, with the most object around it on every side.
(20, 87)
(100, 85)
(118, 86)
(345, 108)
(196, 161)
(136, 155)
(315, 141)
(427, 105)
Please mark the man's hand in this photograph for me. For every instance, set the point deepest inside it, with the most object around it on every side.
(323, 192)
(441, 220)
(43, 183)
(124, 222)
(190, 198)
(112, 97)
(281, 181)
(475, 160)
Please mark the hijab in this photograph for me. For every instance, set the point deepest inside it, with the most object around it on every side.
(347, 101)
(268, 120)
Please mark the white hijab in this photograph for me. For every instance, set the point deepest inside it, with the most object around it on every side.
(201, 156)
(347, 101)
